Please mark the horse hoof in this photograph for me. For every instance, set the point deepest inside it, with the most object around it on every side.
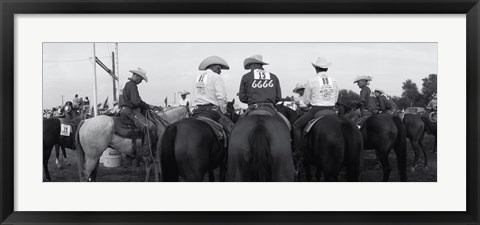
(60, 167)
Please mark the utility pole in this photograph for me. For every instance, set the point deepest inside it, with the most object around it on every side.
(95, 81)
(114, 80)
(110, 72)
(62, 99)
(117, 72)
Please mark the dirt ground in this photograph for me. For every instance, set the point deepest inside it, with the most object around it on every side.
(69, 173)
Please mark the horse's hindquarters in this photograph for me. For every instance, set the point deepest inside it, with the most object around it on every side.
(277, 152)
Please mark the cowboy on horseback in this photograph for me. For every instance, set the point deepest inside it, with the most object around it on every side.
(76, 102)
(184, 100)
(299, 100)
(132, 106)
(322, 93)
(368, 104)
(211, 94)
(386, 104)
(259, 88)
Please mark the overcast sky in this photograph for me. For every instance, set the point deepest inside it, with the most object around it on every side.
(172, 67)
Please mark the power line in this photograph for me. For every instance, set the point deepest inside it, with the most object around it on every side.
(75, 60)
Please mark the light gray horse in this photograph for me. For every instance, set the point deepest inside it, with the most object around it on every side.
(96, 134)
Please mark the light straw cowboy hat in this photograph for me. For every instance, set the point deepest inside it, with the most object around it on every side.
(298, 87)
(139, 71)
(184, 92)
(362, 77)
(213, 60)
(322, 63)
(379, 90)
(253, 59)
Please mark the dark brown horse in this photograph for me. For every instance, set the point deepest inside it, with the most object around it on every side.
(383, 132)
(260, 150)
(190, 149)
(51, 138)
(333, 143)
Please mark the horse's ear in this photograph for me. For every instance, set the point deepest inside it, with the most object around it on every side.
(233, 101)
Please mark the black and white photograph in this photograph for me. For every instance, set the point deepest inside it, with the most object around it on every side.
(240, 111)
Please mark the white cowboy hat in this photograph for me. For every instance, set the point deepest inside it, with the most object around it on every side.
(362, 77)
(298, 87)
(253, 59)
(139, 71)
(322, 63)
(379, 90)
(213, 60)
(184, 92)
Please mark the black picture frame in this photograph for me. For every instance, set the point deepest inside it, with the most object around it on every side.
(9, 8)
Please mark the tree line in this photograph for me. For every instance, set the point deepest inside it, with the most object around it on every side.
(411, 95)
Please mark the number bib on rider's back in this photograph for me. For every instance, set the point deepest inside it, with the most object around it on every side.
(262, 79)
(201, 83)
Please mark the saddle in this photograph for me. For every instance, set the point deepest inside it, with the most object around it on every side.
(217, 129)
(318, 116)
(125, 128)
(266, 110)
(208, 111)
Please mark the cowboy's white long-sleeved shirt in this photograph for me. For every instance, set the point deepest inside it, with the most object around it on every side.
(210, 88)
(299, 100)
(321, 90)
(183, 102)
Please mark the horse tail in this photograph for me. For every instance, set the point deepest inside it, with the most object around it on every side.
(260, 167)
(80, 152)
(353, 148)
(428, 126)
(167, 154)
(401, 147)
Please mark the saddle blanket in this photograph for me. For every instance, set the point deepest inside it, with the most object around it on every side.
(217, 129)
(310, 125)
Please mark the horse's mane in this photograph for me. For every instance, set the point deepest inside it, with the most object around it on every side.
(156, 119)
(160, 118)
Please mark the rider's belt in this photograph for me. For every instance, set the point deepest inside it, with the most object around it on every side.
(207, 107)
(261, 104)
